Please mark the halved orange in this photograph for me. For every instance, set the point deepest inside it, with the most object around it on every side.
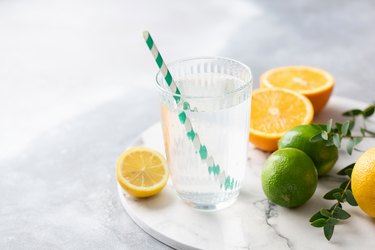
(142, 171)
(273, 112)
(316, 84)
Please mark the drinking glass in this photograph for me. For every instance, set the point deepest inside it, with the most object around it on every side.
(206, 146)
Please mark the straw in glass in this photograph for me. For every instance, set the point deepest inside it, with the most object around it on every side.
(225, 181)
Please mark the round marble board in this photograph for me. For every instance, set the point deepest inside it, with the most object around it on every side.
(253, 222)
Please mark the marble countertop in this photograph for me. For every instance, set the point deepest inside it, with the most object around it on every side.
(76, 87)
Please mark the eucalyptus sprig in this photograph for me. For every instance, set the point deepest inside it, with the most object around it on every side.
(333, 133)
(328, 218)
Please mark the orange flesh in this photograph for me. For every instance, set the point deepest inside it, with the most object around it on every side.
(276, 111)
(297, 79)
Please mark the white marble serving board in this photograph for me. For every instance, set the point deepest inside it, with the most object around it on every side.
(252, 222)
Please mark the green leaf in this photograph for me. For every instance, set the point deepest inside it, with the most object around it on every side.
(316, 216)
(324, 135)
(359, 150)
(330, 194)
(316, 138)
(329, 125)
(352, 124)
(338, 127)
(350, 198)
(357, 140)
(348, 172)
(350, 146)
(353, 112)
(336, 140)
(332, 221)
(334, 206)
(329, 142)
(319, 126)
(369, 111)
(328, 231)
(340, 213)
(319, 222)
(363, 131)
(338, 197)
(367, 131)
(342, 171)
(344, 184)
(345, 128)
(338, 204)
(325, 212)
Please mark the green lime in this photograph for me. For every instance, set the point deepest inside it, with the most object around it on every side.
(289, 177)
(324, 157)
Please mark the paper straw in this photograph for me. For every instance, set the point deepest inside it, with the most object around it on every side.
(225, 181)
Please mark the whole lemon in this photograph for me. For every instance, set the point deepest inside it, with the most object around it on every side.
(363, 182)
(289, 177)
(324, 157)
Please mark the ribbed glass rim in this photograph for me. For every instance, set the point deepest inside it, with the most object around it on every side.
(165, 90)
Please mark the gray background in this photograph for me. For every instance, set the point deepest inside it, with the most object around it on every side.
(76, 86)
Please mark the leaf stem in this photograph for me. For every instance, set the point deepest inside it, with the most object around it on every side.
(342, 196)
(359, 136)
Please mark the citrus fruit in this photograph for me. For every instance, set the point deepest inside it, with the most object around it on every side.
(273, 112)
(289, 177)
(324, 157)
(314, 83)
(363, 182)
(142, 171)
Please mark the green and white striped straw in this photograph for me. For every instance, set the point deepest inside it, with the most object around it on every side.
(225, 181)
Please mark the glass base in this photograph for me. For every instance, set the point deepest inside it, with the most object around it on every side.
(209, 206)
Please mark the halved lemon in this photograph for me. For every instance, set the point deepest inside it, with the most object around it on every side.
(273, 112)
(142, 172)
(316, 84)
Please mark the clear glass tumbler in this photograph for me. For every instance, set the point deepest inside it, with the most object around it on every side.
(206, 130)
